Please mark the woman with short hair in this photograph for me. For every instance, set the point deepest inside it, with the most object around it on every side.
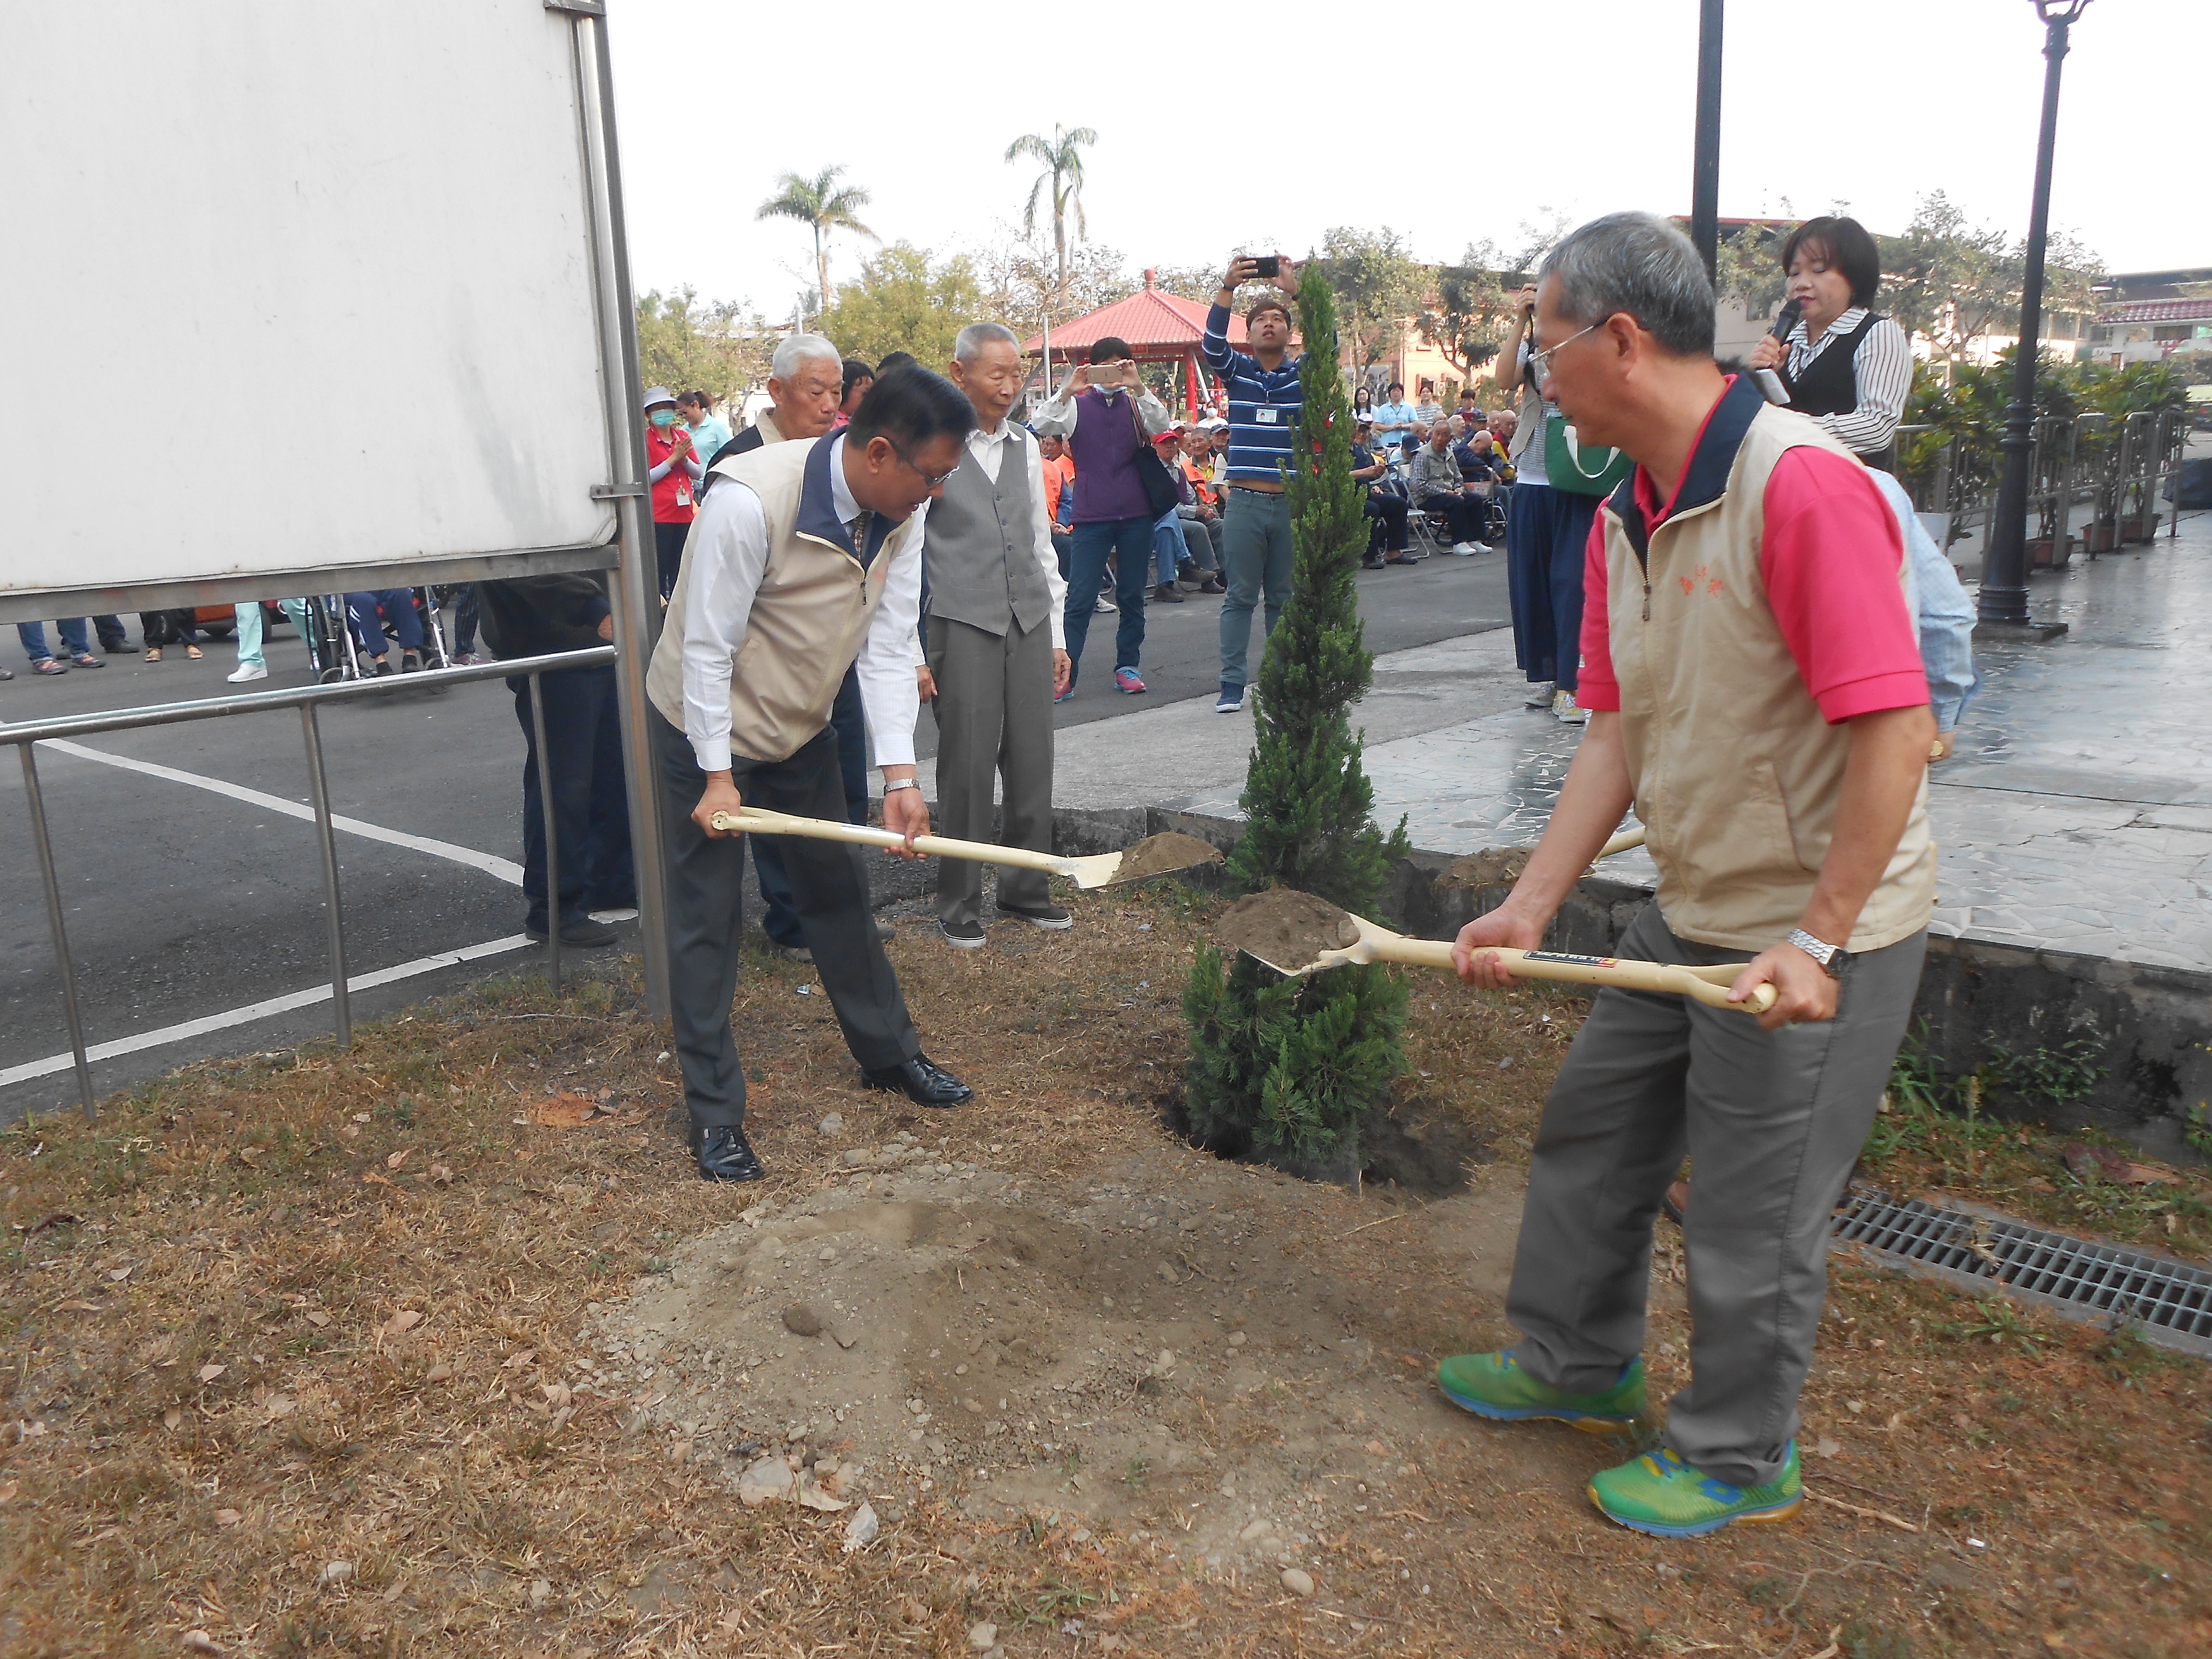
(1842, 364)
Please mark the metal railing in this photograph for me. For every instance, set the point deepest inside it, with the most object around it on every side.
(307, 700)
(2119, 473)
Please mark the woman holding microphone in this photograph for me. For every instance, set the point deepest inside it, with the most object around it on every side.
(1840, 363)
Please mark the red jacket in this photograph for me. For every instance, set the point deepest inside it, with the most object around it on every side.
(674, 496)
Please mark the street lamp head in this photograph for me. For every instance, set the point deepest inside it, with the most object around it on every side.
(2060, 11)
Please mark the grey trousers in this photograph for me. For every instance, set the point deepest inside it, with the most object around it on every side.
(705, 919)
(1772, 1121)
(1255, 554)
(994, 711)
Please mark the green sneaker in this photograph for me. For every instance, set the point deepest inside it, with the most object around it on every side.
(1658, 1492)
(1493, 1385)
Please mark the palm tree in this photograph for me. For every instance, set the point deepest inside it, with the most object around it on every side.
(821, 203)
(1061, 158)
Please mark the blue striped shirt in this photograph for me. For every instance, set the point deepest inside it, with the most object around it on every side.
(1263, 405)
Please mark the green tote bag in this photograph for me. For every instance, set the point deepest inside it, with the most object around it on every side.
(1580, 472)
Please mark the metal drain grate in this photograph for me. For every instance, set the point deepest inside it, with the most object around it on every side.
(2170, 1300)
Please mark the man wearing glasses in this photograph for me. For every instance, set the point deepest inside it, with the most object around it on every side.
(1757, 693)
(804, 557)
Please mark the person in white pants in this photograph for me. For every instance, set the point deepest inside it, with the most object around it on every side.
(252, 664)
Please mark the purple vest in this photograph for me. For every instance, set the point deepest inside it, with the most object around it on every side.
(1105, 445)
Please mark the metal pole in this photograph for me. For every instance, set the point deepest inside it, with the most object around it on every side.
(1705, 166)
(321, 788)
(60, 932)
(636, 587)
(552, 837)
(2004, 573)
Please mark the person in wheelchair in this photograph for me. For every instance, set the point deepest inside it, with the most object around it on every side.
(371, 612)
(1386, 501)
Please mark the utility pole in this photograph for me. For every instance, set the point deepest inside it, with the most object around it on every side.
(2003, 599)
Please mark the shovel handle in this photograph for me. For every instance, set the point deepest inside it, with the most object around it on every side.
(1632, 836)
(1708, 985)
(756, 821)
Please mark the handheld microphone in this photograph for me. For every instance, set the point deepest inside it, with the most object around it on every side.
(1770, 383)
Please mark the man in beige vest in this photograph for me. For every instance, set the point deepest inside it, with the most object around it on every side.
(1757, 693)
(806, 556)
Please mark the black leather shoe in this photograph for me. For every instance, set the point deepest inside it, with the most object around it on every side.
(725, 1154)
(922, 1081)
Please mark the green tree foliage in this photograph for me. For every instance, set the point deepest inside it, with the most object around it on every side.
(824, 205)
(689, 346)
(1022, 284)
(1294, 1065)
(1378, 286)
(904, 302)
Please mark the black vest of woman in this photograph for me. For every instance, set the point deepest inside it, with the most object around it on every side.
(1831, 387)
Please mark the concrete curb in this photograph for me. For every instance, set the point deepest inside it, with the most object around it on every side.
(2154, 1023)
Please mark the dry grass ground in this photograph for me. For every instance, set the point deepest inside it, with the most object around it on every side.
(348, 1354)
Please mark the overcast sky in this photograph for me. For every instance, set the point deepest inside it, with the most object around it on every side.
(1869, 104)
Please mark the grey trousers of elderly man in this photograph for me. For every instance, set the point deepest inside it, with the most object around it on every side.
(993, 709)
(1772, 1121)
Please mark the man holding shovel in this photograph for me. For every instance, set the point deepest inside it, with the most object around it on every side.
(806, 556)
(1757, 693)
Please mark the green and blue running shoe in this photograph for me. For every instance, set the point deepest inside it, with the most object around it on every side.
(1493, 1385)
(1659, 1493)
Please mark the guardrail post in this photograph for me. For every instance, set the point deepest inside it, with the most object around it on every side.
(61, 932)
(552, 838)
(321, 793)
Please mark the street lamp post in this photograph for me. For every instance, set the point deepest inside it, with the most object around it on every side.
(2004, 572)
(1705, 157)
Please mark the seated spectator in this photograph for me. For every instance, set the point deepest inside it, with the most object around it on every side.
(1477, 455)
(1438, 486)
(1183, 548)
(1059, 500)
(1386, 506)
(1204, 508)
(397, 605)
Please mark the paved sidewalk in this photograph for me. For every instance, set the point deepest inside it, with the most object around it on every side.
(2075, 816)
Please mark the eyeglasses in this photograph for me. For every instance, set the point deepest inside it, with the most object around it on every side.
(1542, 360)
(934, 480)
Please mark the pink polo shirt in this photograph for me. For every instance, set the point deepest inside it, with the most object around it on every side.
(1829, 558)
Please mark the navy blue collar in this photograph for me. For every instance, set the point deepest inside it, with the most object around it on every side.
(818, 505)
(1706, 479)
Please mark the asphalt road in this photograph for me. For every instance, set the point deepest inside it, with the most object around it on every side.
(186, 904)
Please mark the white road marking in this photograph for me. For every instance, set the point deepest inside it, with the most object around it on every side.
(505, 870)
(355, 983)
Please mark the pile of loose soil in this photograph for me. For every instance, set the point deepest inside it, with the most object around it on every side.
(1163, 855)
(1493, 866)
(1284, 927)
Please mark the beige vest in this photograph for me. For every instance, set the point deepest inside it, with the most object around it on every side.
(809, 614)
(1736, 774)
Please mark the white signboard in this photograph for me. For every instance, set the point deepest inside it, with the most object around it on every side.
(290, 286)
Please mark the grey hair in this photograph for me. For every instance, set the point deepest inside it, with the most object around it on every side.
(968, 345)
(1639, 264)
(794, 350)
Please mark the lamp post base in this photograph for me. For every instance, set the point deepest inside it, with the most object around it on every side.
(2026, 633)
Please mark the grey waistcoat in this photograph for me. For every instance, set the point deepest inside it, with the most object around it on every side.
(976, 546)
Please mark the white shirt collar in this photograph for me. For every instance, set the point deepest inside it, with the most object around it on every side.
(982, 439)
(842, 502)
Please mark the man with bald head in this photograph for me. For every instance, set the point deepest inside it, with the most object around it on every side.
(806, 393)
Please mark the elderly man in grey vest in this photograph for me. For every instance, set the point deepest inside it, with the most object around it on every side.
(995, 646)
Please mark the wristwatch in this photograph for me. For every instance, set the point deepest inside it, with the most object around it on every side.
(892, 786)
(1833, 957)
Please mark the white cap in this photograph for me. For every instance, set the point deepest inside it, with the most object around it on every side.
(658, 394)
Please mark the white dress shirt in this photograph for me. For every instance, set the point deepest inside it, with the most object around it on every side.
(1882, 370)
(728, 556)
(989, 449)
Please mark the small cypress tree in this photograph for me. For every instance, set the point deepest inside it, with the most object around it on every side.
(1293, 1065)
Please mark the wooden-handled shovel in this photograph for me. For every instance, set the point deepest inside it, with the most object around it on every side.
(1155, 855)
(1269, 925)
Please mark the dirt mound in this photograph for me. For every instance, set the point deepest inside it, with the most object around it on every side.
(1163, 855)
(1493, 866)
(1284, 927)
(1094, 1347)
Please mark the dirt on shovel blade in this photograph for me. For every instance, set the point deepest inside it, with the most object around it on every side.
(1161, 855)
(1284, 928)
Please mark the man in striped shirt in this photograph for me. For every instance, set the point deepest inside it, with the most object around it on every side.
(1264, 400)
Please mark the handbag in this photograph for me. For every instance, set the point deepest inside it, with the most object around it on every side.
(1570, 466)
(1161, 494)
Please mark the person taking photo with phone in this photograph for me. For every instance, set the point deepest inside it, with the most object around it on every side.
(1107, 420)
(1264, 403)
